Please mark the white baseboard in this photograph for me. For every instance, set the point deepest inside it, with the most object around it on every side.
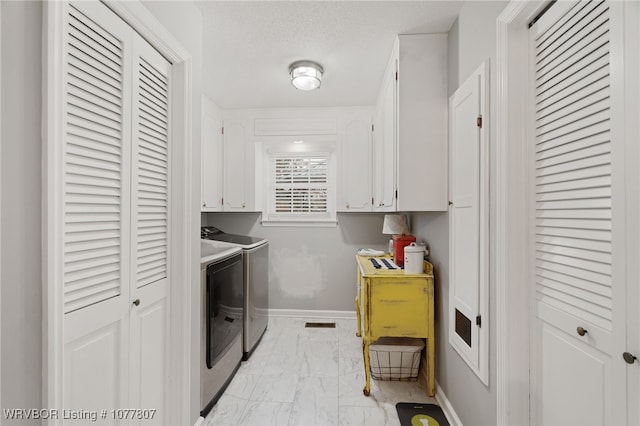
(199, 422)
(447, 408)
(308, 313)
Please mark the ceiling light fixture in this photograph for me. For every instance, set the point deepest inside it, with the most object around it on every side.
(306, 75)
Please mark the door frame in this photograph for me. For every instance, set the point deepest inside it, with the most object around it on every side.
(182, 267)
(513, 240)
(513, 221)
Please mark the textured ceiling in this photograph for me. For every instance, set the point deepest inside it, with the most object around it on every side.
(249, 45)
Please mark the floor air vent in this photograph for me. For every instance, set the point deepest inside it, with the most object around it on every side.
(320, 325)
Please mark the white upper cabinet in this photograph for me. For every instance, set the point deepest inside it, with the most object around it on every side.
(211, 156)
(355, 163)
(410, 139)
(238, 167)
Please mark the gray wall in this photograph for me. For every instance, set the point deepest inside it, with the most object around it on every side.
(310, 268)
(472, 40)
(21, 286)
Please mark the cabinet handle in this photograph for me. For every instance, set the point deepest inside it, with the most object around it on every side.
(581, 331)
(347, 205)
(204, 204)
(243, 205)
(136, 302)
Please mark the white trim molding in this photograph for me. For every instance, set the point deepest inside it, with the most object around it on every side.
(304, 313)
(512, 218)
(0, 200)
(183, 265)
(446, 406)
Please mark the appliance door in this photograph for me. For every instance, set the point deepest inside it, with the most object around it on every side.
(224, 307)
(256, 294)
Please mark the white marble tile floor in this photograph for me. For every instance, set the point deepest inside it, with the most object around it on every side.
(310, 377)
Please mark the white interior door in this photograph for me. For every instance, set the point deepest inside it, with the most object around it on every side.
(96, 204)
(579, 278)
(149, 319)
(114, 196)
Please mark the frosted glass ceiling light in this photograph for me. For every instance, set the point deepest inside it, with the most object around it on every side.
(305, 75)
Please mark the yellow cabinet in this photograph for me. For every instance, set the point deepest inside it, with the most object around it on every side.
(392, 303)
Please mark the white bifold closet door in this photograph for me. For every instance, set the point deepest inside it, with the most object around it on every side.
(114, 195)
(577, 285)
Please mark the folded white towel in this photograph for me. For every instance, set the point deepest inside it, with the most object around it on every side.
(370, 252)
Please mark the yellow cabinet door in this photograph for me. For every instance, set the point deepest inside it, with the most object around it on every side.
(399, 307)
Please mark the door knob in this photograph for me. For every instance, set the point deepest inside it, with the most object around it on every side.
(629, 358)
(581, 331)
(136, 302)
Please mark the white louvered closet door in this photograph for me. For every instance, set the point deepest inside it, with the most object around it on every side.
(97, 203)
(115, 211)
(575, 284)
(149, 242)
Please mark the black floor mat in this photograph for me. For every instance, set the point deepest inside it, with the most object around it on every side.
(412, 414)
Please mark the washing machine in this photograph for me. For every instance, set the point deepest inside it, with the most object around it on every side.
(255, 252)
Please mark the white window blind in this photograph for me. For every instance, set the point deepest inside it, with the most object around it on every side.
(573, 165)
(93, 180)
(301, 185)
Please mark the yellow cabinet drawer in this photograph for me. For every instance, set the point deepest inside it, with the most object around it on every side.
(399, 306)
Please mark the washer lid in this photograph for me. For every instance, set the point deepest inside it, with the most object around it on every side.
(213, 233)
(209, 251)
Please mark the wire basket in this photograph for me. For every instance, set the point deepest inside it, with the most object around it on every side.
(396, 358)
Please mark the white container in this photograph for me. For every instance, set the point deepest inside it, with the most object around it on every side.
(413, 259)
(395, 358)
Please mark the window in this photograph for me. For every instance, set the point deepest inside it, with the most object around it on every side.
(300, 189)
(301, 185)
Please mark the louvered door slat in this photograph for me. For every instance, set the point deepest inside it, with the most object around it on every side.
(572, 71)
(576, 164)
(93, 219)
(83, 95)
(573, 165)
(573, 282)
(84, 88)
(583, 78)
(108, 112)
(80, 71)
(151, 97)
(99, 67)
(582, 101)
(575, 39)
(80, 22)
(552, 150)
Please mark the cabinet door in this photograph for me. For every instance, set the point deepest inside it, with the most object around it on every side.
(384, 150)
(211, 157)
(400, 306)
(236, 179)
(355, 182)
